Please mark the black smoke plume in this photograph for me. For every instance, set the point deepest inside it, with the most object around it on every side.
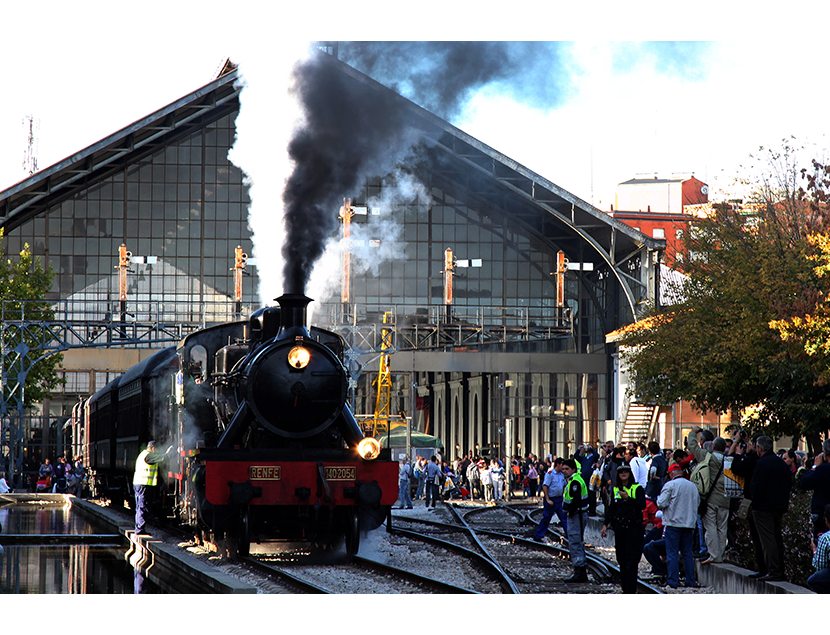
(441, 76)
(347, 134)
(351, 132)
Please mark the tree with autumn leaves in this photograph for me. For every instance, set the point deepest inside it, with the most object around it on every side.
(24, 282)
(752, 332)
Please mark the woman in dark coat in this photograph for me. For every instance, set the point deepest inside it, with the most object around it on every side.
(624, 514)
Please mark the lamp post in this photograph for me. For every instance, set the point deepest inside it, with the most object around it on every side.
(346, 214)
(124, 260)
(450, 265)
(240, 263)
(564, 265)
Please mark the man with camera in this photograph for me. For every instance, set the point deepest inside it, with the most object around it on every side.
(716, 517)
(744, 458)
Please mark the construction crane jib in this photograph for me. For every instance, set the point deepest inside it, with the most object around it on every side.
(382, 420)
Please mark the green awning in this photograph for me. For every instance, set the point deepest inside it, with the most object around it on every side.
(397, 439)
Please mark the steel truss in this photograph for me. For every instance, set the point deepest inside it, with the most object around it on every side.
(34, 331)
(427, 328)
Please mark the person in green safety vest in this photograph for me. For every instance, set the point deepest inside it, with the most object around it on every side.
(575, 504)
(144, 482)
(625, 514)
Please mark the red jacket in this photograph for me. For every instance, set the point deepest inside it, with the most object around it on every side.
(650, 514)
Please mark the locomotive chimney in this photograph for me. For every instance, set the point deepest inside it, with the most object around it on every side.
(293, 308)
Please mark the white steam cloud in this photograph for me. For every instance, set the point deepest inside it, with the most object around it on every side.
(267, 118)
(373, 242)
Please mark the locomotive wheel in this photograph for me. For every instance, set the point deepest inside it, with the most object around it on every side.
(352, 531)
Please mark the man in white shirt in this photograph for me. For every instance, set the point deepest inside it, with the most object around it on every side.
(639, 467)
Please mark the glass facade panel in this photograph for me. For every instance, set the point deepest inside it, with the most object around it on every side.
(162, 218)
(516, 281)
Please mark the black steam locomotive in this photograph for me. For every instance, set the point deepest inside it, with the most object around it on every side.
(267, 447)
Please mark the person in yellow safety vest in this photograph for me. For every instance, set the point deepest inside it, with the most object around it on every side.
(575, 504)
(146, 478)
(625, 514)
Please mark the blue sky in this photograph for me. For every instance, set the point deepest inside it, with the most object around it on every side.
(602, 112)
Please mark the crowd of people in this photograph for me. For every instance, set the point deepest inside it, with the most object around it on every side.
(671, 507)
(57, 475)
(690, 495)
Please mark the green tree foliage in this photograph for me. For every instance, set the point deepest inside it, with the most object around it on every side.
(809, 329)
(746, 267)
(24, 282)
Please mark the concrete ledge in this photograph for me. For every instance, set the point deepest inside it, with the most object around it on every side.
(172, 569)
(177, 572)
(117, 521)
(728, 578)
(21, 498)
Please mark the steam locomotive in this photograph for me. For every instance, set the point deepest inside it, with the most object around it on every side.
(266, 445)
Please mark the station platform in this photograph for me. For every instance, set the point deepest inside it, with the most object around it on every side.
(157, 556)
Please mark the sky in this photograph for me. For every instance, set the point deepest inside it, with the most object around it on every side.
(631, 90)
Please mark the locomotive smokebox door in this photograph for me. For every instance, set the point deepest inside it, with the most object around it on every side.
(292, 401)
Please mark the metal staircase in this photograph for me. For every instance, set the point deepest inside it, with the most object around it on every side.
(639, 422)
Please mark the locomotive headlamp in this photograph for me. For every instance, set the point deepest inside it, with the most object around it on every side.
(368, 448)
(298, 357)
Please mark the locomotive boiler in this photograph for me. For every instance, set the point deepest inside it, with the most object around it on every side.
(267, 446)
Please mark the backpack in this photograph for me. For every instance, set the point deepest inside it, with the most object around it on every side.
(701, 475)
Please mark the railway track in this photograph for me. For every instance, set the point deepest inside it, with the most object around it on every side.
(475, 550)
(497, 534)
(352, 575)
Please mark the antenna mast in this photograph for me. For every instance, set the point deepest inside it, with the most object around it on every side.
(31, 127)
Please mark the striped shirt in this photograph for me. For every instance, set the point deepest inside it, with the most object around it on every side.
(821, 559)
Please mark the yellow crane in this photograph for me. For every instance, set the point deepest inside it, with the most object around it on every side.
(383, 383)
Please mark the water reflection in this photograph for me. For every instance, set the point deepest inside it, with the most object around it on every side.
(66, 569)
(42, 519)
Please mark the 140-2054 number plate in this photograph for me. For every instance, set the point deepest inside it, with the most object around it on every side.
(340, 473)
